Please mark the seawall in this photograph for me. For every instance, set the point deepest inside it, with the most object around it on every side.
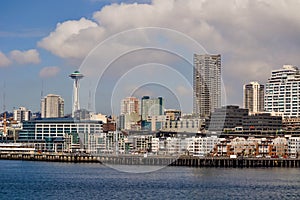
(189, 161)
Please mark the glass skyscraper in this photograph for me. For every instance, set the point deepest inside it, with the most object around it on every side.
(151, 107)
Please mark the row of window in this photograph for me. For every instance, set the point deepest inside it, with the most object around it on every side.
(67, 125)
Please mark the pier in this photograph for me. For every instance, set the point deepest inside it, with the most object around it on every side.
(189, 161)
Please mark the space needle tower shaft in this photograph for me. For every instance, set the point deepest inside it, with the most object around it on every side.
(76, 76)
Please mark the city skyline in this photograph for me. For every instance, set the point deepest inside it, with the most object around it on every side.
(35, 55)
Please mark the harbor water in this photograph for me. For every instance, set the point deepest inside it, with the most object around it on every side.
(55, 180)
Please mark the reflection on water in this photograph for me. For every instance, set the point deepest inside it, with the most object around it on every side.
(45, 180)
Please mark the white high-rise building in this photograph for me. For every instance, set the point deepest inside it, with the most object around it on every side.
(52, 106)
(282, 95)
(254, 97)
(22, 114)
(206, 84)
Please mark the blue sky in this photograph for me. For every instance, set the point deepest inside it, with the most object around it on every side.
(42, 42)
(22, 25)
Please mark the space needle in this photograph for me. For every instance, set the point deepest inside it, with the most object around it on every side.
(76, 76)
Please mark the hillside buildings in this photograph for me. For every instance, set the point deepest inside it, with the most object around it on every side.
(254, 97)
(206, 84)
(52, 106)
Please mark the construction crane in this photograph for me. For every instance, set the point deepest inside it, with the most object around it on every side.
(4, 125)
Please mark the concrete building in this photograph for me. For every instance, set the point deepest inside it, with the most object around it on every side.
(237, 146)
(202, 146)
(254, 97)
(173, 114)
(151, 107)
(98, 117)
(22, 114)
(129, 121)
(206, 84)
(139, 143)
(157, 121)
(130, 110)
(172, 146)
(293, 146)
(183, 125)
(130, 105)
(52, 106)
(291, 124)
(283, 92)
(279, 147)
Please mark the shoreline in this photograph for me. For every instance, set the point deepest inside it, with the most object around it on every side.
(188, 161)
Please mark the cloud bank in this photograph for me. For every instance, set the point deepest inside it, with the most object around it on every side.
(30, 56)
(253, 37)
(25, 57)
(4, 60)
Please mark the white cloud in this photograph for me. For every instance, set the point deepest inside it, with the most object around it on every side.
(236, 27)
(253, 37)
(4, 60)
(72, 39)
(47, 72)
(25, 57)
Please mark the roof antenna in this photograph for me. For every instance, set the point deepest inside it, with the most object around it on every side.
(42, 89)
(4, 106)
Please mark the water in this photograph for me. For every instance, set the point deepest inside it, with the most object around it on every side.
(46, 180)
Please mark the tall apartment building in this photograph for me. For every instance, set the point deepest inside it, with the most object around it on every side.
(151, 107)
(254, 97)
(130, 105)
(206, 84)
(130, 110)
(52, 106)
(282, 94)
(22, 114)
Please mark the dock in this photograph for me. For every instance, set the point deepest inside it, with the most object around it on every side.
(188, 161)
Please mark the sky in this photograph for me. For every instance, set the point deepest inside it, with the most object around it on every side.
(139, 48)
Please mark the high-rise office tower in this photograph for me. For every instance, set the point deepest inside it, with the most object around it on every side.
(206, 84)
(283, 92)
(130, 105)
(151, 107)
(254, 97)
(52, 106)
